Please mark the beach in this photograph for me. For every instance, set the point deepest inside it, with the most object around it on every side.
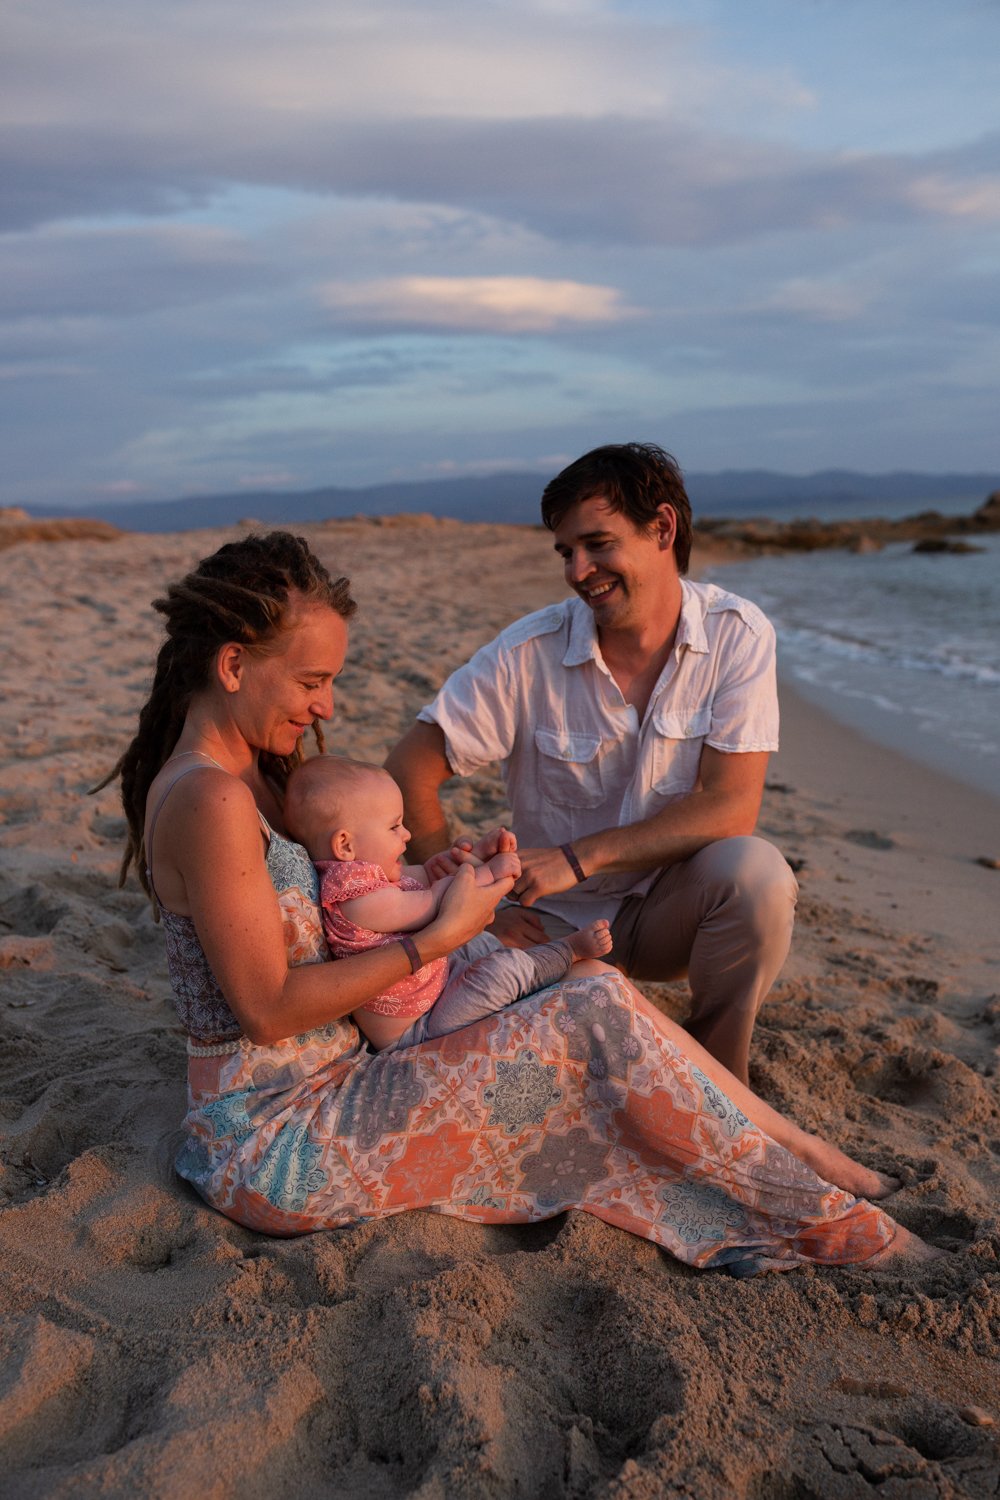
(152, 1347)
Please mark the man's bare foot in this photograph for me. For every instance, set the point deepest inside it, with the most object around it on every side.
(906, 1246)
(591, 942)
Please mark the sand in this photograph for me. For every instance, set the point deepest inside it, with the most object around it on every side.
(151, 1347)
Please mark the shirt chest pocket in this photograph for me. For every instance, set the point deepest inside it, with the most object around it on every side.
(569, 768)
(677, 746)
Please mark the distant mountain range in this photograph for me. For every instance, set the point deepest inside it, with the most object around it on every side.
(514, 498)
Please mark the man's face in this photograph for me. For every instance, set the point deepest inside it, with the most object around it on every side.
(625, 575)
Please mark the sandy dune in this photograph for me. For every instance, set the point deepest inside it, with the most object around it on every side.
(151, 1347)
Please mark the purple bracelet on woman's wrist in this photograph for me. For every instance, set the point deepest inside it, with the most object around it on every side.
(409, 947)
(573, 862)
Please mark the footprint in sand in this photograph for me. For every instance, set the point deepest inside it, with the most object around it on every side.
(20, 952)
(925, 1079)
(869, 839)
(933, 1452)
(30, 911)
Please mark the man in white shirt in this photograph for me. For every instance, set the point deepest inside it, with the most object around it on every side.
(633, 723)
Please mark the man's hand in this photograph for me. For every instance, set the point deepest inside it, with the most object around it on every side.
(544, 872)
(517, 929)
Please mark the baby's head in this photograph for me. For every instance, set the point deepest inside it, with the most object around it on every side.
(346, 809)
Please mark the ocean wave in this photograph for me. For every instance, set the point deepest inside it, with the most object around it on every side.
(885, 655)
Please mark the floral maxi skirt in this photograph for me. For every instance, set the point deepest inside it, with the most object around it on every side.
(577, 1097)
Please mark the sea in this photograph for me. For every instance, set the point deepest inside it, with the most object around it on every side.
(900, 645)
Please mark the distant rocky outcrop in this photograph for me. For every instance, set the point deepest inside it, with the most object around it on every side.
(16, 525)
(930, 531)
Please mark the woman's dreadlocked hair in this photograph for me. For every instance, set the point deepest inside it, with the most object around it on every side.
(239, 594)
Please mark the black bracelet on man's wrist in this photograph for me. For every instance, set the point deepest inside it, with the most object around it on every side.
(573, 862)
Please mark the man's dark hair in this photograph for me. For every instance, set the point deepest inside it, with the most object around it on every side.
(635, 479)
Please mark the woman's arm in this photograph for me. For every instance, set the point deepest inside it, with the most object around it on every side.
(214, 842)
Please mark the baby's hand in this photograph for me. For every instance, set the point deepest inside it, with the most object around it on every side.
(502, 865)
(497, 841)
(440, 865)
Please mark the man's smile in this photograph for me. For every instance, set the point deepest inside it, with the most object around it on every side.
(598, 590)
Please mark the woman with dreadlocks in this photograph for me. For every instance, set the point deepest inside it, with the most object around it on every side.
(581, 1096)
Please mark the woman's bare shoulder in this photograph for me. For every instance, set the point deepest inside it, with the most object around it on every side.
(204, 791)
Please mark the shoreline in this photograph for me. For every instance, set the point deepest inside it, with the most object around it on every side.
(914, 714)
(887, 731)
(146, 1340)
(905, 838)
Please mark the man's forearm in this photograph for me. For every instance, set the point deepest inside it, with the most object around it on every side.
(429, 827)
(419, 766)
(724, 808)
(675, 833)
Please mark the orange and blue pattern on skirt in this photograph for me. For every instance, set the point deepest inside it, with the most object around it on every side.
(574, 1098)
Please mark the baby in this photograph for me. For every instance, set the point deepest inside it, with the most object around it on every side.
(349, 816)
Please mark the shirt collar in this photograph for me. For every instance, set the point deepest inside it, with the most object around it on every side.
(583, 646)
(691, 625)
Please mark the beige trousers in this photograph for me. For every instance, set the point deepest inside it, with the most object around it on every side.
(724, 918)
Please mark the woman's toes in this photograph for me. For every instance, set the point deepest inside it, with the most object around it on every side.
(905, 1246)
(885, 1185)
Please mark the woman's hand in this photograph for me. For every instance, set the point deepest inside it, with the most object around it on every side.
(465, 910)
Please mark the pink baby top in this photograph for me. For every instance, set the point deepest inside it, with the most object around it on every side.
(340, 883)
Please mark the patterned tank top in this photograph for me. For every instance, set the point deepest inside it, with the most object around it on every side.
(198, 1000)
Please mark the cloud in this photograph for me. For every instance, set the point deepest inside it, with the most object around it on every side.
(577, 121)
(62, 272)
(968, 197)
(821, 298)
(215, 61)
(616, 179)
(248, 239)
(493, 304)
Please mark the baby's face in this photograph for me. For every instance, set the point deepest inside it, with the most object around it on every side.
(378, 834)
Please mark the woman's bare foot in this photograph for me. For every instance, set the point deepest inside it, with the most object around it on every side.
(836, 1167)
(591, 942)
(906, 1246)
(887, 1186)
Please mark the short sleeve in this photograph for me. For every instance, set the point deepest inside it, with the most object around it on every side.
(745, 703)
(477, 710)
(346, 880)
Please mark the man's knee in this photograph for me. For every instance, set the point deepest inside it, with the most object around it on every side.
(755, 875)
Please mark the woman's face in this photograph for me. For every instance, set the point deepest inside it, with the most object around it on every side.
(280, 694)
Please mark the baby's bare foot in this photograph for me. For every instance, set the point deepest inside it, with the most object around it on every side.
(591, 942)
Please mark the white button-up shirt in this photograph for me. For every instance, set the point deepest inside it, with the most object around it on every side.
(574, 754)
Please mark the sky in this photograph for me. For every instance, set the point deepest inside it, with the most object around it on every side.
(341, 242)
